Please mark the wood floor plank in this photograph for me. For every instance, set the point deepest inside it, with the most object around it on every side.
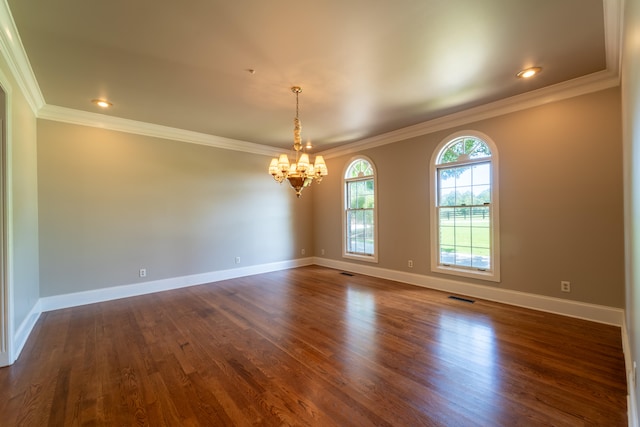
(312, 347)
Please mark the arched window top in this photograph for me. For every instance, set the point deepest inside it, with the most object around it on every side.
(359, 168)
(464, 149)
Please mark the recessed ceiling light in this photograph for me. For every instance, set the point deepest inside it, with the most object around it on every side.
(529, 72)
(102, 103)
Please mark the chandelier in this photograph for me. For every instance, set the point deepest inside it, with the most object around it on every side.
(301, 173)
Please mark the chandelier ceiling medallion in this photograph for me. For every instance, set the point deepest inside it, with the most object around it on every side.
(301, 173)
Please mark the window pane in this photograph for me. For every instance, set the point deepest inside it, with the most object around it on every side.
(360, 194)
(463, 236)
(351, 231)
(452, 153)
(447, 255)
(463, 196)
(447, 227)
(368, 237)
(481, 258)
(447, 178)
(351, 196)
(480, 150)
(481, 174)
(463, 256)
(481, 194)
(481, 217)
(463, 217)
(360, 231)
(480, 237)
(447, 216)
(463, 176)
(359, 168)
(447, 197)
(464, 185)
(464, 148)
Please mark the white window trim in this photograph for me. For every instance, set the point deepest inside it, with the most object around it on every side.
(345, 254)
(490, 275)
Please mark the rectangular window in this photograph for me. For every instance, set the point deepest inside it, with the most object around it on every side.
(464, 216)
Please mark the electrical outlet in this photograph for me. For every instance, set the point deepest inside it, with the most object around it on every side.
(303, 252)
(143, 272)
(410, 263)
(237, 260)
(321, 251)
(565, 286)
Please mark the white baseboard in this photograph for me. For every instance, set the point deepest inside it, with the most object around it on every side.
(592, 312)
(24, 330)
(106, 294)
(57, 302)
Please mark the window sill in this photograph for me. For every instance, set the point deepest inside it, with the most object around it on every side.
(492, 276)
(366, 258)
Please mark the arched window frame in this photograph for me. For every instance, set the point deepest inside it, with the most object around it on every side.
(345, 210)
(492, 273)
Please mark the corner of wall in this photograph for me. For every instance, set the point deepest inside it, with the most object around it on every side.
(632, 409)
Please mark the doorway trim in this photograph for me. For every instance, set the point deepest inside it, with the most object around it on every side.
(7, 351)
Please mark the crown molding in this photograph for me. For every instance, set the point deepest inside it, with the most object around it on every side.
(85, 118)
(576, 87)
(613, 27)
(613, 18)
(569, 89)
(17, 59)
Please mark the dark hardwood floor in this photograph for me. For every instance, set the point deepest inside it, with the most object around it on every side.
(310, 346)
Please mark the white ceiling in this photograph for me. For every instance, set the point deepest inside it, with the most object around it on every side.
(367, 67)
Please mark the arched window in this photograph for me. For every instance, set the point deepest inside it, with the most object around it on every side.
(464, 202)
(360, 211)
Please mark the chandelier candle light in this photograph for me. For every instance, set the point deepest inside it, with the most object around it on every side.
(301, 173)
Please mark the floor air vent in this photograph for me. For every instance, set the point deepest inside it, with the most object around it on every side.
(344, 273)
(461, 299)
